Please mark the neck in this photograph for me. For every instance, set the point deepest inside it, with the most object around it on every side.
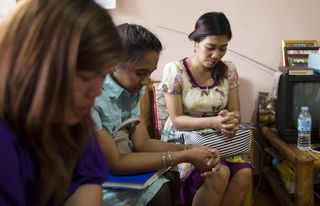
(198, 68)
(201, 74)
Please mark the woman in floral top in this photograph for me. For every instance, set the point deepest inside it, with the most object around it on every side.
(202, 99)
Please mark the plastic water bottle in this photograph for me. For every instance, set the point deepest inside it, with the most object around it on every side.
(304, 129)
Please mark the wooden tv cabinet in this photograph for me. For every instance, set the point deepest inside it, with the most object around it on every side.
(306, 165)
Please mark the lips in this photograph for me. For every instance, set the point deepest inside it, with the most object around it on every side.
(212, 63)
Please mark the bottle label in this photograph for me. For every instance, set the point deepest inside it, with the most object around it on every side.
(304, 125)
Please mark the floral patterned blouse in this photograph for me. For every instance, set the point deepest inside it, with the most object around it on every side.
(198, 101)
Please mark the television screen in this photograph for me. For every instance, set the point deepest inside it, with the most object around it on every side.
(306, 94)
(295, 91)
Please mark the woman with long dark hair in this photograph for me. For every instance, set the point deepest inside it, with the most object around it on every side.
(202, 98)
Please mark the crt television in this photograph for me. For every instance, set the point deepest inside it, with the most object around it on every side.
(295, 91)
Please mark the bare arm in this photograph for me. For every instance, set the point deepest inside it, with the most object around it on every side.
(234, 101)
(142, 141)
(145, 161)
(89, 194)
(130, 162)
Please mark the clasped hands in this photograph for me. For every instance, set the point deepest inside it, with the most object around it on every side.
(228, 123)
(205, 159)
(209, 161)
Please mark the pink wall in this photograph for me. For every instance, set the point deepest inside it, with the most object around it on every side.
(5, 6)
(258, 28)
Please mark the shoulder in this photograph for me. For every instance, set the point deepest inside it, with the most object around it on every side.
(172, 80)
(173, 71)
(232, 74)
(176, 66)
(101, 100)
(231, 66)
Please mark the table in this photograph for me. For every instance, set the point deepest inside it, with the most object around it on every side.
(305, 163)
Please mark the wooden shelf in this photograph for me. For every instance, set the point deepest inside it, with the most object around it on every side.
(304, 165)
(277, 187)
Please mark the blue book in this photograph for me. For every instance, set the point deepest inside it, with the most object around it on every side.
(134, 181)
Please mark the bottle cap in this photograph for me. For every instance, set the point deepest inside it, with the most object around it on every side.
(304, 108)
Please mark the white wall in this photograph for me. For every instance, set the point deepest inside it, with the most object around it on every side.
(5, 6)
(258, 28)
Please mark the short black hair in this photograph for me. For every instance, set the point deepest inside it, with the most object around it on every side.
(137, 41)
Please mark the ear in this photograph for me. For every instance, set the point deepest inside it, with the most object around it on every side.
(116, 70)
(195, 44)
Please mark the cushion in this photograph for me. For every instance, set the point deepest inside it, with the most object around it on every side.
(146, 110)
(160, 110)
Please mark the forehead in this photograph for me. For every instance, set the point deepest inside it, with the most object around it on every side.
(149, 62)
(106, 66)
(216, 40)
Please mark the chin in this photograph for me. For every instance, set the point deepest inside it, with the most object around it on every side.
(210, 65)
(72, 120)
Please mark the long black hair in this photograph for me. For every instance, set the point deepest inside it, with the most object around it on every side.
(212, 23)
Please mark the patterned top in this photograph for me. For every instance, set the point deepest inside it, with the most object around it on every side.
(198, 101)
(115, 105)
(112, 108)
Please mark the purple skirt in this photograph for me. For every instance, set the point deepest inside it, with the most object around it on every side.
(189, 186)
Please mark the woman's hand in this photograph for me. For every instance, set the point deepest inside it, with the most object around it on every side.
(228, 123)
(213, 170)
(204, 158)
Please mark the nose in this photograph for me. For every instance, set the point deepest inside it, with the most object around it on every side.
(216, 54)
